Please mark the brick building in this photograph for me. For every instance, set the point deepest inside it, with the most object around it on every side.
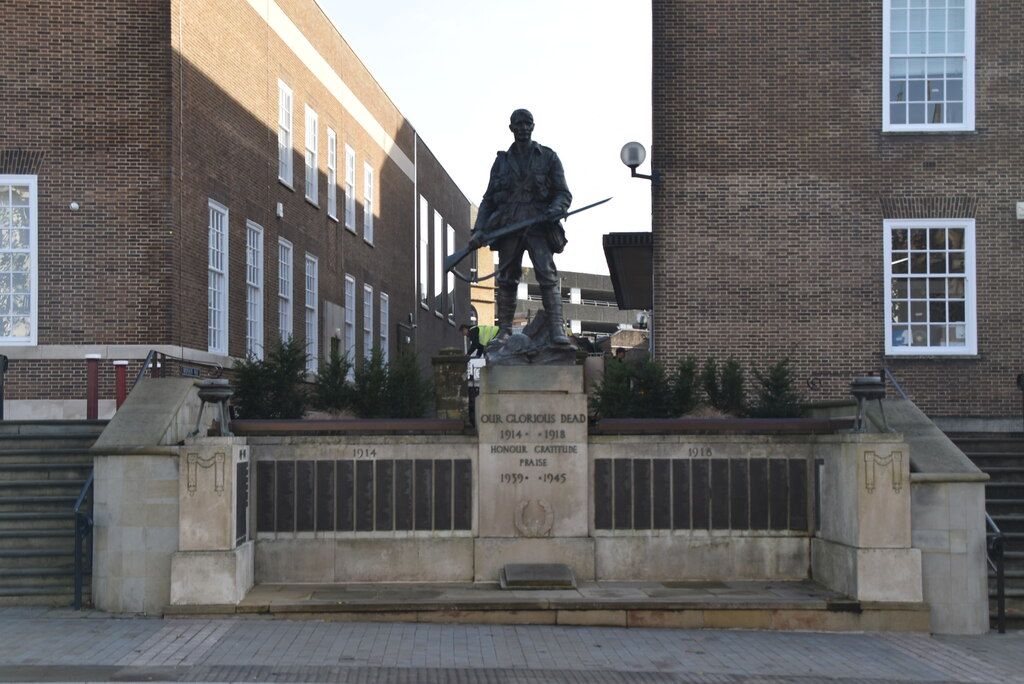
(840, 184)
(155, 156)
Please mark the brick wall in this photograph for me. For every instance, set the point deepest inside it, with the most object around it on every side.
(777, 177)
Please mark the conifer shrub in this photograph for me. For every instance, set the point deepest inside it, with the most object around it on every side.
(370, 388)
(731, 392)
(633, 389)
(273, 387)
(776, 397)
(332, 391)
(408, 391)
(709, 381)
(684, 387)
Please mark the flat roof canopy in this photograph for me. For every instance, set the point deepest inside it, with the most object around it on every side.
(629, 263)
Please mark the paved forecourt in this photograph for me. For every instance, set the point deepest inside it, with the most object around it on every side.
(51, 645)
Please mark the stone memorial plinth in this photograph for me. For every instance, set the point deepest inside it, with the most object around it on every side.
(533, 481)
(214, 562)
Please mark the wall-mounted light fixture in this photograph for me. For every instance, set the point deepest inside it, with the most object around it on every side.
(633, 155)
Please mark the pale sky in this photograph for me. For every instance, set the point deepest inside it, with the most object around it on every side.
(457, 68)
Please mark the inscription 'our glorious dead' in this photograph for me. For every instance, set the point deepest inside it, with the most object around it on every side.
(533, 418)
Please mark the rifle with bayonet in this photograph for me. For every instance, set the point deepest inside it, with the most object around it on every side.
(489, 238)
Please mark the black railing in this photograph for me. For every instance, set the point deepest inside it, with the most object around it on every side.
(157, 361)
(895, 383)
(83, 530)
(996, 546)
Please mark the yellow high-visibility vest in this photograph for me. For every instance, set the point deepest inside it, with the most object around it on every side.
(487, 333)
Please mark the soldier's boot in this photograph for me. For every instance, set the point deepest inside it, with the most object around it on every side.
(552, 298)
(505, 306)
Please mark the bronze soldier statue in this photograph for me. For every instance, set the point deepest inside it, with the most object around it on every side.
(526, 181)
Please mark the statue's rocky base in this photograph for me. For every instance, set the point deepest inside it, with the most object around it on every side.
(533, 346)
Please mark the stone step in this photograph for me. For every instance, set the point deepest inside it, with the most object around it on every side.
(1009, 523)
(65, 441)
(56, 598)
(44, 471)
(32, 503)
(33, 520)
(36, 558)
(998, 461)
(51, 427)
(997, 507)
(37, 539)
(1006, 473)
(1005, 490)
(60, 580)
(21, 488)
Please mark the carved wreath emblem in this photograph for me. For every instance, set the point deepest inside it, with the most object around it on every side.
(894, 461)
(534, 518)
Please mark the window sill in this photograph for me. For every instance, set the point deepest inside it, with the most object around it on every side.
(333, 218)
(424, 306)
(439, 314)
(369, 242)
(350, 229)
(900, 132)
(451, 322)
(312, 202)
(285, 183)
(932, 357)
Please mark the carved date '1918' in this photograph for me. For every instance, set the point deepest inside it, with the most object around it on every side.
(700, 452)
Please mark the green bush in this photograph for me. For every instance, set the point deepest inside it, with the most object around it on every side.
(684, 387)
(776, 397)
(633, 389)
(731, 393)
(408, 392)
(709, 382)
(332, 391)
(370, 389)
(275, 386)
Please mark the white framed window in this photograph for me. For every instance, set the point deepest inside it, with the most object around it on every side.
(368, 202)
(928, 65)
(438, 262)
(19, 260)
(385, 321)
(284, 133)
(284, 289)
(332, 174)
(254, 289)
(367, 321)
(217, 279)
(450, 249)
(423, 264)
(930, 299)
(312, 159)
(350, 324)
(350, 188)
(312, 324)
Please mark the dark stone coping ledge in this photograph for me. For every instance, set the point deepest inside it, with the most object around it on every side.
(664, 426)
(253, 427)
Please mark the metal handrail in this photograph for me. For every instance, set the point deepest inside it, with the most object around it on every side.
(996, 546)
(895, 382)
(155, 356)
(83, 528)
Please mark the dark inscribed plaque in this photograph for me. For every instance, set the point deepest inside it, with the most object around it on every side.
(759, 494)
(462, 493)
(739, 497)
(623, 494)
(364, 496)
(285, 497)
(442, 495)
(720, 494)
(700, 494)
(680, 494)
(798, 495)
(778, 494)
(325, 495)
(423, 471)
(641, 494)
(403, 494)
(346, 496)
(603, 493)
(662, 504)
(242, 502)
(265, 490)
(385, 482)
(305, 517)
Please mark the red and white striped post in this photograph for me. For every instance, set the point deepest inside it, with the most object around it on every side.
(121, 382)
(92, 386)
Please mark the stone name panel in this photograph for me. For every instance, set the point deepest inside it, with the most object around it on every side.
(695, 493)
(364, 494)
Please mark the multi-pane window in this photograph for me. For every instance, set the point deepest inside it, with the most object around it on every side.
(217, 279)
(332, 174)
(438, 261)
(385, 321)
(350, 324)
(367, 321)
(930, 294)
(312, 161)
(253, 290)
(284, 289)
(451, 276)
(350, 188)
(312, 328)
(928, 67)
(18, 258)
(423, 265)
(368, 203)
(284, 133)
